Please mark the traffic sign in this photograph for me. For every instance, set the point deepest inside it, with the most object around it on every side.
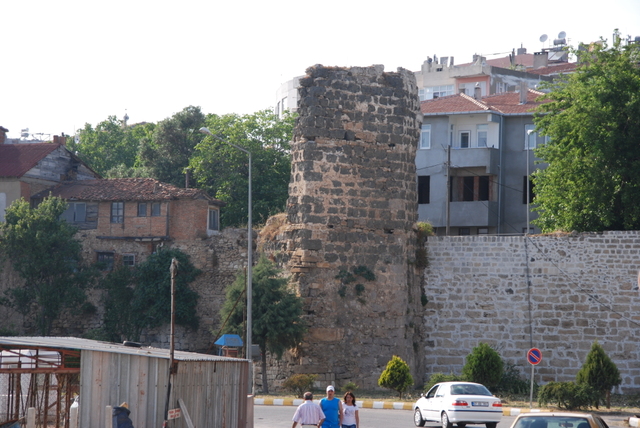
(534, 356)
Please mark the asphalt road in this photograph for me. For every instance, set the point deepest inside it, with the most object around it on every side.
(280, 417)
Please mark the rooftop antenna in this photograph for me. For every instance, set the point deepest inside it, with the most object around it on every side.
(543, 39)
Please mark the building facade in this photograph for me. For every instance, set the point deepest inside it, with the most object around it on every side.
(473, 163)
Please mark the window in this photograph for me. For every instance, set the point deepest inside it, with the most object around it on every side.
(464, 139)
(128, 259)
(214, 217)
(106, 260)
(117, 212)
(464, 231)
(424, 189)
(483, 188)
(530, 137)
(483, 231)
(76, 212)
(471, 188)
(524, 190)
(142, 209)
(467, 189)
(155, 209)
(425, 137)
(435, 92)
(482, 135)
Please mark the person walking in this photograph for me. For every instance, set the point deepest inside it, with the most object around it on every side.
(308, 413)
(332, 409)
(350, 417)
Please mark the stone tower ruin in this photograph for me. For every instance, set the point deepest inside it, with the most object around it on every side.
(349, 240)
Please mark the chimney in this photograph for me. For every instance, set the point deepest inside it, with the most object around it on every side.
(3, 134)
(477, 92)
(60, 139)
(523, 92)
(521, 50)
(540, 59)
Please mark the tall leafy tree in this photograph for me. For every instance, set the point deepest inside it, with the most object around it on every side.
(43, 250)
(222, 170)
(600, 373)
(276, 312)
(110, 145)
(167, 154)
(592, 181)
(140, 298)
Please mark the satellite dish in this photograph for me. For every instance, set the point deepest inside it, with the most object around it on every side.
(543, 38)
(562, 35)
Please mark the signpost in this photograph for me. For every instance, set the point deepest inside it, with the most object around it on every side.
(534, 356)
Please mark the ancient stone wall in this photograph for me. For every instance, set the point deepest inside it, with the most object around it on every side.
(350, 216)
(584, 287)
(219, 257)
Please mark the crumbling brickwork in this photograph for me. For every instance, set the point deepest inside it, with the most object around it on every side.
(351, 214)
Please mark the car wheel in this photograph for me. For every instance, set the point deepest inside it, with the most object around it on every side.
(417, 418)
(461, 425)
(491, 424)
(445, 421)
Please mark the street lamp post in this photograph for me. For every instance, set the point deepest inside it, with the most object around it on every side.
(205, 130)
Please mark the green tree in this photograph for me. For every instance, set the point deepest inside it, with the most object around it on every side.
(396, 376)
(276, 311)
(484, 366)
(168, 153)
(592, 181)
(110, 145)
(222, 170)
(600, 373)
(43, 250)
(139, 298)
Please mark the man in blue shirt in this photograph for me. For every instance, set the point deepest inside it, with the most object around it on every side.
(332, 409)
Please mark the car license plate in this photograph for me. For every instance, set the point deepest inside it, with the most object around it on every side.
(480, 403)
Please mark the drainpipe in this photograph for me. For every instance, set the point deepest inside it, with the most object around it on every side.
(500, 173)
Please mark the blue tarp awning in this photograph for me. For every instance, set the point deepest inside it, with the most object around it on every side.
(229, 340)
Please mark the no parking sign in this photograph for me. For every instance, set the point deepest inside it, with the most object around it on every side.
(534, 356)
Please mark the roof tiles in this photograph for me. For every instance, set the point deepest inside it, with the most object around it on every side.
(17, 159)
(506, 103)
(124, 189)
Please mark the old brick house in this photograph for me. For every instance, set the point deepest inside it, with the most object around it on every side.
(26, 169)
(123, 220)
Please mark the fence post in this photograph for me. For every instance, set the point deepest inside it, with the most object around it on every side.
(73, 417)
(31, 417)
(108, 423)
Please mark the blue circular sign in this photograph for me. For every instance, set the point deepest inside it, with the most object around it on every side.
(534, 356)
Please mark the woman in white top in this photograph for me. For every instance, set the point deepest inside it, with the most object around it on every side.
(350, 417)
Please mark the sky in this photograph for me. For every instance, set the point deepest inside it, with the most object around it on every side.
(66, 63)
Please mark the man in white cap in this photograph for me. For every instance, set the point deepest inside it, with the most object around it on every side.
(308, 413)
(332, 409)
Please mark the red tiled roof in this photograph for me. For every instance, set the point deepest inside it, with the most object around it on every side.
(453, 103)
(17, 159)
(124, 189)
(507, 103)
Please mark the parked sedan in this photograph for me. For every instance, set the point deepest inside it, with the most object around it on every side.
(459, 403)
(558, 420)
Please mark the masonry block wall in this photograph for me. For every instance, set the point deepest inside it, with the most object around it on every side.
(352, 208)
(584, 287)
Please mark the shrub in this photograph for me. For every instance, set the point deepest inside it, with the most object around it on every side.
(441, 377)
(396, 376)
(484, 366)
(567, 395)
(299, 383)
(512, 381)
(600, 373)
(349, 386)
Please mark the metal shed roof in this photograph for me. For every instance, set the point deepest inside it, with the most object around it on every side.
(94, 345)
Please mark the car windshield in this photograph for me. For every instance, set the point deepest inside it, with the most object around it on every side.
(552, 422)
(469, 389)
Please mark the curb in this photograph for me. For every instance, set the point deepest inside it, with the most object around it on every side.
(383, 405)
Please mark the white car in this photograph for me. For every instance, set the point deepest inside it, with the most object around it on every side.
(459, 403)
